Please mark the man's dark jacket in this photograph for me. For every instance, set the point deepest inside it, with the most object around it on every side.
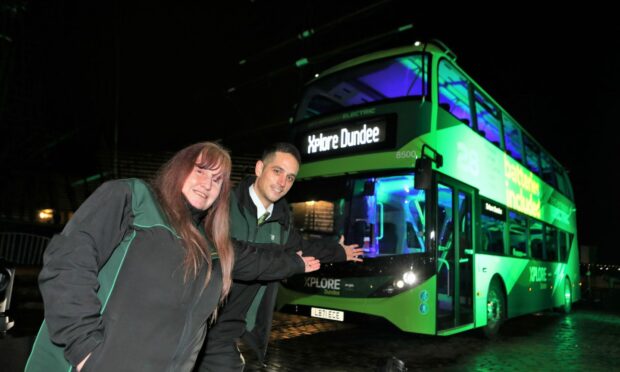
(248, 312)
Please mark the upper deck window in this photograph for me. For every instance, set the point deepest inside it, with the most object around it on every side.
(488, 119)
(532, 155)
(548, 170)
(512, 139)
(371, 82)
(563, 183)
(454, 92)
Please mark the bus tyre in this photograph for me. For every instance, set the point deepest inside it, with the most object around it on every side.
(496, 310)
(567, 306)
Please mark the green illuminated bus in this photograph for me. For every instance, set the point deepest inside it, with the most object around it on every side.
(465, 219)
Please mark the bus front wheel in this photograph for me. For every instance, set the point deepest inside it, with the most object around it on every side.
(496, 310)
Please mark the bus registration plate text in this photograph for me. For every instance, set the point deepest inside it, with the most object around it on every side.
(327, 314)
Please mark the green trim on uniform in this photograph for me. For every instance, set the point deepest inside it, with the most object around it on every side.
(250, 321)
(268, 232)
(48, 357)
(147, 213)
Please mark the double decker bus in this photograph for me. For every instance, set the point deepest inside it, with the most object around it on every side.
(465, 219)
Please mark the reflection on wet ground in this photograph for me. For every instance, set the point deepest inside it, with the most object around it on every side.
(586, 339)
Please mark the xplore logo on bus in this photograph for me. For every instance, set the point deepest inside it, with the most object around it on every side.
(322, 283)
(538, 274)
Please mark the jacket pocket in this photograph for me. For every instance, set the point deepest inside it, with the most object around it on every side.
(92, 362)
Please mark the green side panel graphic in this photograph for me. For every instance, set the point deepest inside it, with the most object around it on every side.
(471, 159)
(48, 357)
(531, 285)
(411, 311)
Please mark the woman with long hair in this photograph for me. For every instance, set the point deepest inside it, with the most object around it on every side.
(131, 282)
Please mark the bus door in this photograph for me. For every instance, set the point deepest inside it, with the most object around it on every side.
(454, 250)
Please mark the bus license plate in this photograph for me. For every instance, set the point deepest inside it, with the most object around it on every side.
(327, 314)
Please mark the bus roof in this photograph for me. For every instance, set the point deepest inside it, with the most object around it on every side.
(434, 47)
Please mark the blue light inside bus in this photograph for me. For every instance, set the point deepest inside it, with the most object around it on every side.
(394, 185)
(396, 80)
(387, 191)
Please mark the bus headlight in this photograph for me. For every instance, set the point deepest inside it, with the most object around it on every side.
(400, 283)
(409, 277)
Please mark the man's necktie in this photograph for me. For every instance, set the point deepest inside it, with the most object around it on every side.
(262, 218)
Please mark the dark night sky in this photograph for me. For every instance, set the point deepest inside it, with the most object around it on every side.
(162, 71)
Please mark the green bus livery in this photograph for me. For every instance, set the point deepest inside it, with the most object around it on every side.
(465, 219)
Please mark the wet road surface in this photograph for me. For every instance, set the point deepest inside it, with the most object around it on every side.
(588, 339)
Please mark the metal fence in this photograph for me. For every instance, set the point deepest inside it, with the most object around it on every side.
(22, 249)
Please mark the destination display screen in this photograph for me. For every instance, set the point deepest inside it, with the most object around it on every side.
(351, 137)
